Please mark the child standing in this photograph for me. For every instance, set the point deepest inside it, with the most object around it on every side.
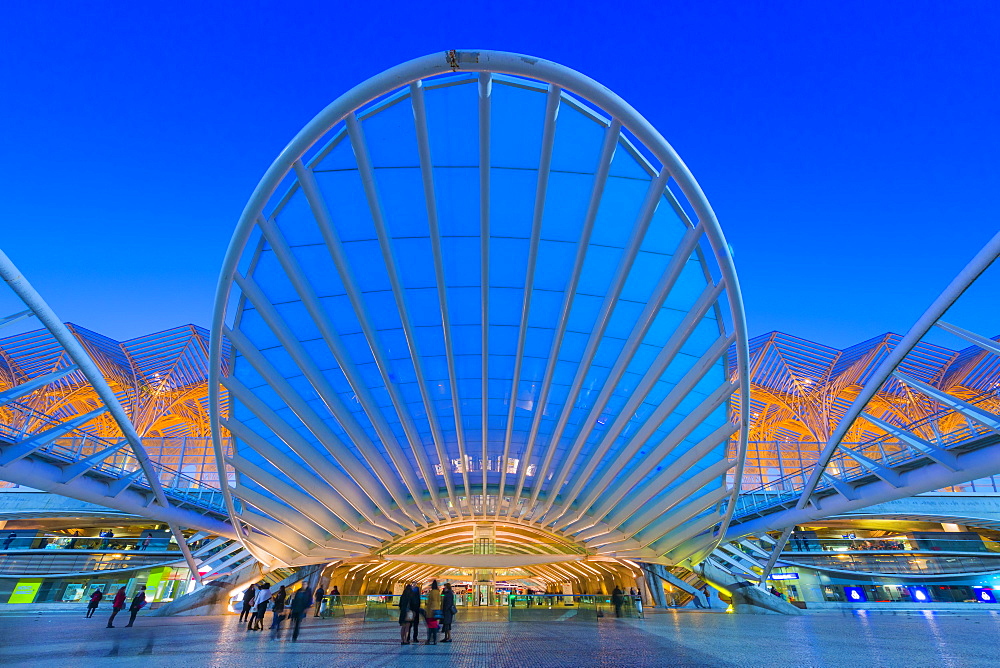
(432, 630)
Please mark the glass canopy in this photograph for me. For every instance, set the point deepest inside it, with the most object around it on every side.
(472, 293)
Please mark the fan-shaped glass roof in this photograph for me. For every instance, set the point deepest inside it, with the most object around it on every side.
(479, 287)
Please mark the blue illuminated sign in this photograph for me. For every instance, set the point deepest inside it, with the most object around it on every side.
(855, 594)
(985, 595)
(783, 576)
(919, 594)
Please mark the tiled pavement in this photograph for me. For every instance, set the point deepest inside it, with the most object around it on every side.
(964, 640)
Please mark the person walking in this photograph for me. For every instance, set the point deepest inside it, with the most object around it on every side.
(117, 605)
(406, 616)
(145, 541)
(95, 600)
(320, 593)
(415, 607)
(10, 539)
(708, 596)
(617, 598)
(299, 608)
(138, 603)
(260, 600)
(448, 611)
(249, 594)
(433, 613)
(71, 545)
(278, 608)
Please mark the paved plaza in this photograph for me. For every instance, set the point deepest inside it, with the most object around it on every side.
(667, 639)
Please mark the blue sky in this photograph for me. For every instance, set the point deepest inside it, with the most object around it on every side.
(849, 149)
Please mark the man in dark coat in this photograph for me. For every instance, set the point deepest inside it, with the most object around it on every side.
(249, 594)
(617, 598)
(447, 611)
(415, 607)
(319, 594)
(138, 603)
(301, 603)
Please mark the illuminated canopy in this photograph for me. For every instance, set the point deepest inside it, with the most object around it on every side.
(479, 290)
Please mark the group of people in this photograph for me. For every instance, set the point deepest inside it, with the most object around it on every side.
(257, 597)
(871, 545)
(118, 604)
(438, 613)
(71, 540)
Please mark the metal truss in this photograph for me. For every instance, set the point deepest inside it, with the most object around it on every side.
(405, 341)
(114, 472)
(956, 439)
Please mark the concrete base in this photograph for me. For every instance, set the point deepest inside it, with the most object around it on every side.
(747, 598)
(212, 599)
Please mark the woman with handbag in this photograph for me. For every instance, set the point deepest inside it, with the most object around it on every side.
(406, 616)
(448, 611)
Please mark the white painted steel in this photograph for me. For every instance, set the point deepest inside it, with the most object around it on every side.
(426, 507)
(27, 294)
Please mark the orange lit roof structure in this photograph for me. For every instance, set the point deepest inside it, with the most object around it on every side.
(800, 388)
(160, 380)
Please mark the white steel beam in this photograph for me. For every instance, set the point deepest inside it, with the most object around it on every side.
(427, 178)
(985, 418)
(78, 354)
(541, 190)
(29, 386)
(938, 454)
(685, 490)
(989, 345)
(317, 203)
(639, 331)
(318, 380)
(16, 317)
(365, 170)
(363, 480)
(883, 472)
(654, 373)
(80, 467)
(26, 446)
(654, 195)
(351, 508)
(611, 136)
(314, 482)
(485, 99)
(306, 504)
(615, 509)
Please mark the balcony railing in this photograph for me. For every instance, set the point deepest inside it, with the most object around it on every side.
(885, 449)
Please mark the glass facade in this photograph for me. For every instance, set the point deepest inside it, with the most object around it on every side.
(479, 296)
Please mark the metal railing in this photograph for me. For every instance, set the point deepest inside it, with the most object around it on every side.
(119, 464)
(28, 563)
(500, 548)
(899, 544)
(88, 543)
(560, 607)
(910, 563)
(885, 449)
